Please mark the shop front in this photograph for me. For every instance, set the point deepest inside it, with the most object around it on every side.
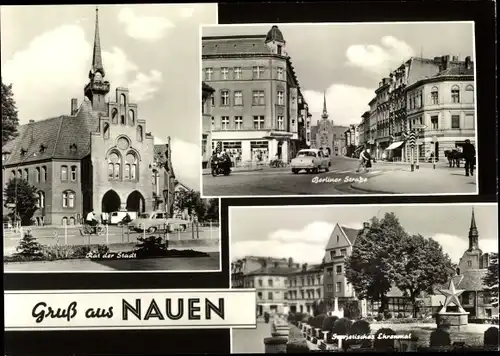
(394, 152)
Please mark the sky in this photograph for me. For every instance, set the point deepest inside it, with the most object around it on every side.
(154, 50)
(269, 231)
(349, 60)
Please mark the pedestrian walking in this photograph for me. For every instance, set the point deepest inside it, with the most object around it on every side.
(469, 154)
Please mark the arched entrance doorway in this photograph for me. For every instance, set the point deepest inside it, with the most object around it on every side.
(135, 202)
(110, 202)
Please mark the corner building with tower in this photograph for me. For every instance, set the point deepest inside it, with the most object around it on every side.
(258, 111)
(100, 157)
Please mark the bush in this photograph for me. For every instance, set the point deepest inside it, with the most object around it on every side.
(384, 344)
(29, 249)
(491, 337)
(341, 326)
(329, 322)
(266, 317)
(307, 319)
(400, 316)
(379, 317)
(440, 337)
(296, 346)
(318, 321)
(151, 246)
(387, 315)
(359, 327)
(57, 252)
(351, 309)
(294, 333)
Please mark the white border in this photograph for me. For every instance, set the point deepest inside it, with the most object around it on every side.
(350, 24)
(242, 207)
(132, 271)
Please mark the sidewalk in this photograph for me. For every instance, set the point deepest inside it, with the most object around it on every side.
(422, 181)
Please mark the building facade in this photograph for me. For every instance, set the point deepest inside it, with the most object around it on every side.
(258, 111)
(270, 284)
(206, 116)
(99, 157)
(445, 105)
(351, 140)
(305, 286)
(328, 137)
(338, 248)
(382, 140)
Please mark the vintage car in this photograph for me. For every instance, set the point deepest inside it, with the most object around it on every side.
(312, 160)
(158, 221)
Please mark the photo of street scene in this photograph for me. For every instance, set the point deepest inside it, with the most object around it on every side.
(98, 175)
(339, 109)
(424, 276)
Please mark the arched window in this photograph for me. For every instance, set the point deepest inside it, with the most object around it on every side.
(72, 221)
(19, 174)
(455, 94)
(123, 100)
(64, 173)
(106, 131)
(131, 167)
(41, 199)
(131, 118)
(139, 133)
(37, 174)
(25, 174)
(68, 199)
(65, 221)
(469, 94)
(44, 173)
(13, 174)
(114, 166)
(434, 96)
(114, 116)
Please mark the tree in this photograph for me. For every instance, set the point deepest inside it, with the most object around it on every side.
(10, 121)
(213, 209)
(420, 267)
(27, 201)
(190, 201)
(491, 279)
(29, 248)
(371, 268)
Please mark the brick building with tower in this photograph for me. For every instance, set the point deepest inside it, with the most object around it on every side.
(258, 112)
(98, 157)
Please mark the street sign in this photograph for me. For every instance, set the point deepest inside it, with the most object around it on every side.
(419, 127)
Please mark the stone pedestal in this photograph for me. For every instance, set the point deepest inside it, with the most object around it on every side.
(452, 320)
(275, 345)
(339, 313)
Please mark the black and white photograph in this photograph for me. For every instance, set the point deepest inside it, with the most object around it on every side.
(427, 274)
(339, 109)
(98, 175)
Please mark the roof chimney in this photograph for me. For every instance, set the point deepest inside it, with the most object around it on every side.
(74, 106)
(445, 62)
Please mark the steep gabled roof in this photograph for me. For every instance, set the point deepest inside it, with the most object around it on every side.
(351, 234)
(241, 45)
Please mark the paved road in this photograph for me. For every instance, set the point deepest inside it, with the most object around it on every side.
(250, 340)
(281, 181)
(46, 236)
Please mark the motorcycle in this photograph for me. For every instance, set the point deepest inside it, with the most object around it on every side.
(277, 163)
(220, 167)
(89, 230)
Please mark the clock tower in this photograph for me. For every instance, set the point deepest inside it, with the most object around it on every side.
(97, 88)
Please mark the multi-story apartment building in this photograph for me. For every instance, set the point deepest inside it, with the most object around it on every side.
(444, 104)
(371, 137)
(383, 139)
(206, 139)
(351, 140)
(364, 129)
(270, 284)
(258, 110)
(99, 157)
(237, 275)
(305, 286)
(339, 246)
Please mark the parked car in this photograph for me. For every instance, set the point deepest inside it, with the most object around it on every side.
(312, 160)
(116, 217)
(157, 221)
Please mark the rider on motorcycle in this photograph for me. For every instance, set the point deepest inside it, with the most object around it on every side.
(92, 221)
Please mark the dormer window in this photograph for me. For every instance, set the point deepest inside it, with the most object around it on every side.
(72, 148)
(42, 148)
(23, 152)
(279, 49)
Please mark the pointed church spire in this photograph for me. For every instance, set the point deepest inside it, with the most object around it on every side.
(325, 112)
(96, 56)
(473, 233)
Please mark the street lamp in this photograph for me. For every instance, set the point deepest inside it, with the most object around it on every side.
(434, 143)
(15, 184)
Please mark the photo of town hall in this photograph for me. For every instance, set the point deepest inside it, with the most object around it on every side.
(279, 118)
(95, 180)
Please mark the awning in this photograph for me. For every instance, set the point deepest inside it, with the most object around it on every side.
(394, 145)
